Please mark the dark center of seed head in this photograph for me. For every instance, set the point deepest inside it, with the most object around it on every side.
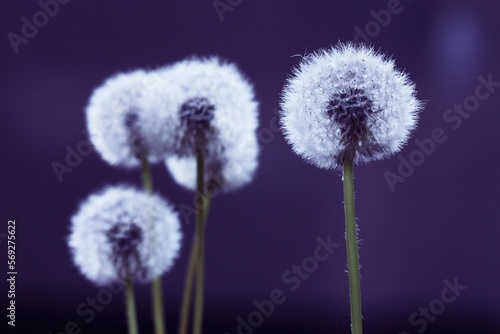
(350, 110)
(134, 139)
(131, 119)
(197, 113)
(124, 238)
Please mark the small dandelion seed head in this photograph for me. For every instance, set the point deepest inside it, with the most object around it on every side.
(122, 232)
(124, 238)
(214, 112)
(120, 128)
(348, 102)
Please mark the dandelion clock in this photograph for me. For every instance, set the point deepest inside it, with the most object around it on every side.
(344, 105)
(121, 234)
(214, 114)
(121, 129)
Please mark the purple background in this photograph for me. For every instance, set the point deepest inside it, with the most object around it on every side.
(441, 223)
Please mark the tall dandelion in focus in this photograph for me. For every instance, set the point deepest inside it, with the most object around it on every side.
(344, 105)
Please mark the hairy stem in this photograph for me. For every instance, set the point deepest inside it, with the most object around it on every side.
(352, 248)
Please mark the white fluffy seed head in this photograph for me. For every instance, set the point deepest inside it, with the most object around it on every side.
(348, 102)
(214, 111)
(120, 232)
(120, 128)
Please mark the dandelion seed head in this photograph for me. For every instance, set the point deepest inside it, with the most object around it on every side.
(348, 101)
(120, 128)
(120, 232)
(215, 112)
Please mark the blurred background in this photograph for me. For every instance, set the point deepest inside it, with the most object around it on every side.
(433, 225)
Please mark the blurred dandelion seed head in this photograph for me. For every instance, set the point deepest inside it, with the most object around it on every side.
(120, 232)
(216, 113)
(121, 128)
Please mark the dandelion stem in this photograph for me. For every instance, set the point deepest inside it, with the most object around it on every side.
(188, 287)
(195, 269)
(352, 248)
(203, 201)
(147, 179)
(157, 292)
(156, 284)
(131, 311)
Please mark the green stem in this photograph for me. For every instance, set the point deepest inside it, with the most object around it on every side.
(130, 302)
(203, 201)
(156, 290)
(156, 284)
(352, 248)
(188, 287)
(147, 179)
